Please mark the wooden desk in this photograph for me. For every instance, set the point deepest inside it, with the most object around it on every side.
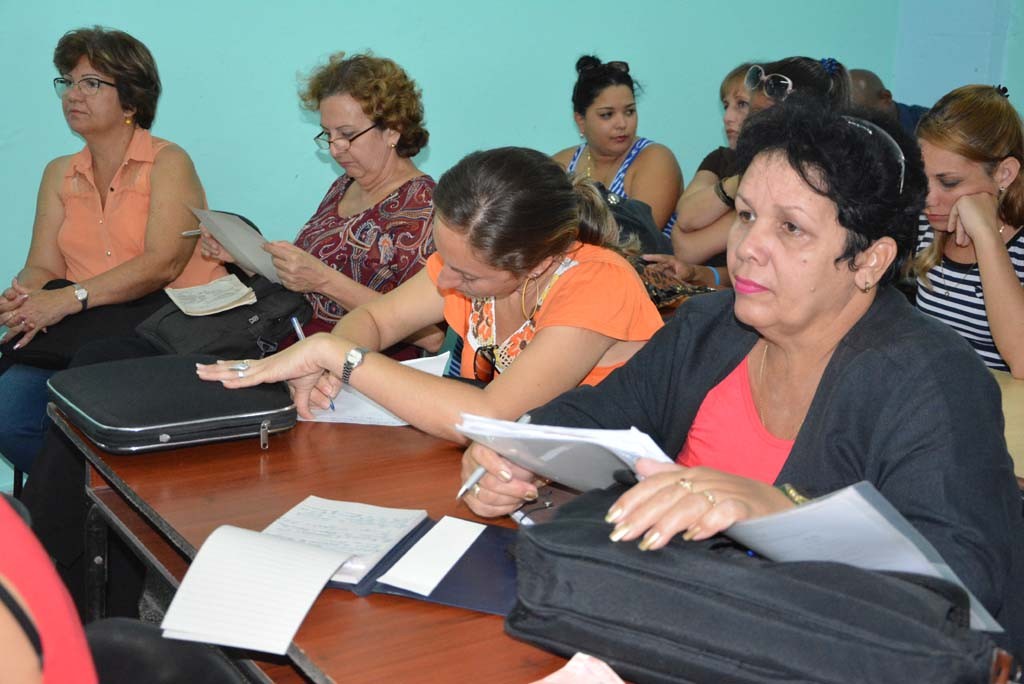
(182, 495)
(1013, 412)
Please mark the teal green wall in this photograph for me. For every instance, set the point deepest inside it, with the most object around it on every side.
(492, 74)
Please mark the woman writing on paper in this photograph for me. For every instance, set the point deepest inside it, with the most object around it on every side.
(108, 219)
(371, 231)
(525, 272)
(814, 372)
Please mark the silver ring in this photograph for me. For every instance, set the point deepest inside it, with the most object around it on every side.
(241, 366)
(710, 497)
(476, 490)
(241, 373)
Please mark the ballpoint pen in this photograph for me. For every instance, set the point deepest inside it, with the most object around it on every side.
(480, 471)
(301, 335)
(191, 233)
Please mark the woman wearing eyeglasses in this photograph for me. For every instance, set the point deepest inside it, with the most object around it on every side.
(604, 106)
(525, 272)
(970, 261)
(813, 372)
(706, 209)
(371, 231)
(108, 219)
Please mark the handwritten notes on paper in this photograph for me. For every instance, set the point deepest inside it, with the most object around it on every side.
(362, 533)
(215, 296)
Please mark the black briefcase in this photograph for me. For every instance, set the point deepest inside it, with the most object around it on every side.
(158, 402)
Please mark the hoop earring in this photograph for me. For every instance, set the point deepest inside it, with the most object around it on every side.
(522, 298)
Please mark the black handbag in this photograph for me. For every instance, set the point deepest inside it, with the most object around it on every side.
(158, 402)
(710, 612)
(249, 331)
(55, 348)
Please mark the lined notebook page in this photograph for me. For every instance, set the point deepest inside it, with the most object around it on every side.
(249, 590)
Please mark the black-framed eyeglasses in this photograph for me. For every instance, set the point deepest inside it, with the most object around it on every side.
(324, 139)
(90, 85)
(775, 86)
(485, 363)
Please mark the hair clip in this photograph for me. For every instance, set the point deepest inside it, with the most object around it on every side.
(618, 65)
(1002, 90)
(829, 65)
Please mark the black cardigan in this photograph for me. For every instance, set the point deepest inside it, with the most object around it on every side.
(904, 403)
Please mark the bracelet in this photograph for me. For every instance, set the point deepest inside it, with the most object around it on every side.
(714, 272)
(722, 195)
(792, 494)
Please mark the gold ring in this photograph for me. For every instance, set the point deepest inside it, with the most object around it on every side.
(686, 484)
(710, 497)
(476, 490)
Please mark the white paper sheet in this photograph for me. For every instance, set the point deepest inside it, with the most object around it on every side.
(360, 532)
(248, 590)
(241, 241)
(423, 566)
(352, 406)
(857, 526)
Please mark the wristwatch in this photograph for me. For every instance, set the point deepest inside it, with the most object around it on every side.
(353, 360)
(81, 294)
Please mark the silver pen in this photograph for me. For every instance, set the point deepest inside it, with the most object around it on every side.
(191, 233)
(301, 335)
(480, 471)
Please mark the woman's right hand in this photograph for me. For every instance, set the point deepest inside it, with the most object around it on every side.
(211, 249)
(12, 298)
(668, 265)
(502, 490)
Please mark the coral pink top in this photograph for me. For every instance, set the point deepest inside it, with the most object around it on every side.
(28, 573)
(95, 238)
(728, 435)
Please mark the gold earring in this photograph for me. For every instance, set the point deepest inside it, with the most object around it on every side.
(867, 287)
(392, 145)
(127, 121)
(522, 298)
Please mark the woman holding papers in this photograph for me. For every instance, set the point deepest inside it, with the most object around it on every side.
(813, 374)
(108, 219)
(525, 272)
(371, 231)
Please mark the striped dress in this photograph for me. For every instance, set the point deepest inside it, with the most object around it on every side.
(618, 184)
(956, 298)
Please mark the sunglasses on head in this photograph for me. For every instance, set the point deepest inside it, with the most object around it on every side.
(775, 86)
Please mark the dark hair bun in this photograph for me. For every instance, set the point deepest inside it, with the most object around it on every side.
(587, 62)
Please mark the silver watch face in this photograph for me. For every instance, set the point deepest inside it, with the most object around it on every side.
(354, 356)
(81, 294)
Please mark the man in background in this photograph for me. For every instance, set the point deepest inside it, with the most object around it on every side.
(869, 91)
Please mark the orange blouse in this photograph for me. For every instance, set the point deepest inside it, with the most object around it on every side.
(596, 289)
(94, 239)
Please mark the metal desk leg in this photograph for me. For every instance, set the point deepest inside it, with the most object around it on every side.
(96, 567)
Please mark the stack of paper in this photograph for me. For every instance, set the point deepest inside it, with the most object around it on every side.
(581, 458)
(215, 296)
(242, 241)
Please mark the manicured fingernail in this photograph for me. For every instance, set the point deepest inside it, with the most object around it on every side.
(530, 496)
(505, 475)
(649, 539)
(619, 532)
(613, 515)
(691, 533)
(17, 346)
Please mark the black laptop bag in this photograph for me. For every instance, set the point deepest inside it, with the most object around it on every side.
(158, 402)
(710, 612)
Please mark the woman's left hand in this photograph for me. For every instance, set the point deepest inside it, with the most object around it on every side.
(299, 270)
(974, 217)
(40, 309)
(699, 502)
(300, 365)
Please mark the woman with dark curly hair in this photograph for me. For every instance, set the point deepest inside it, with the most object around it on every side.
(371, 232)
(813, 373)
(108, 221)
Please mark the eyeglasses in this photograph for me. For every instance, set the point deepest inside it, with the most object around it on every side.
(89, 86)
(776, 86)
(486, 371)
(324, 140)
(871, 129)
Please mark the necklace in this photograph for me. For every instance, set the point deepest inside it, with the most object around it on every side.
(590, 164)
(760, 380)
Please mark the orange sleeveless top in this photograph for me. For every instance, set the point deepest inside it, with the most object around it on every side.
(94, 238)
